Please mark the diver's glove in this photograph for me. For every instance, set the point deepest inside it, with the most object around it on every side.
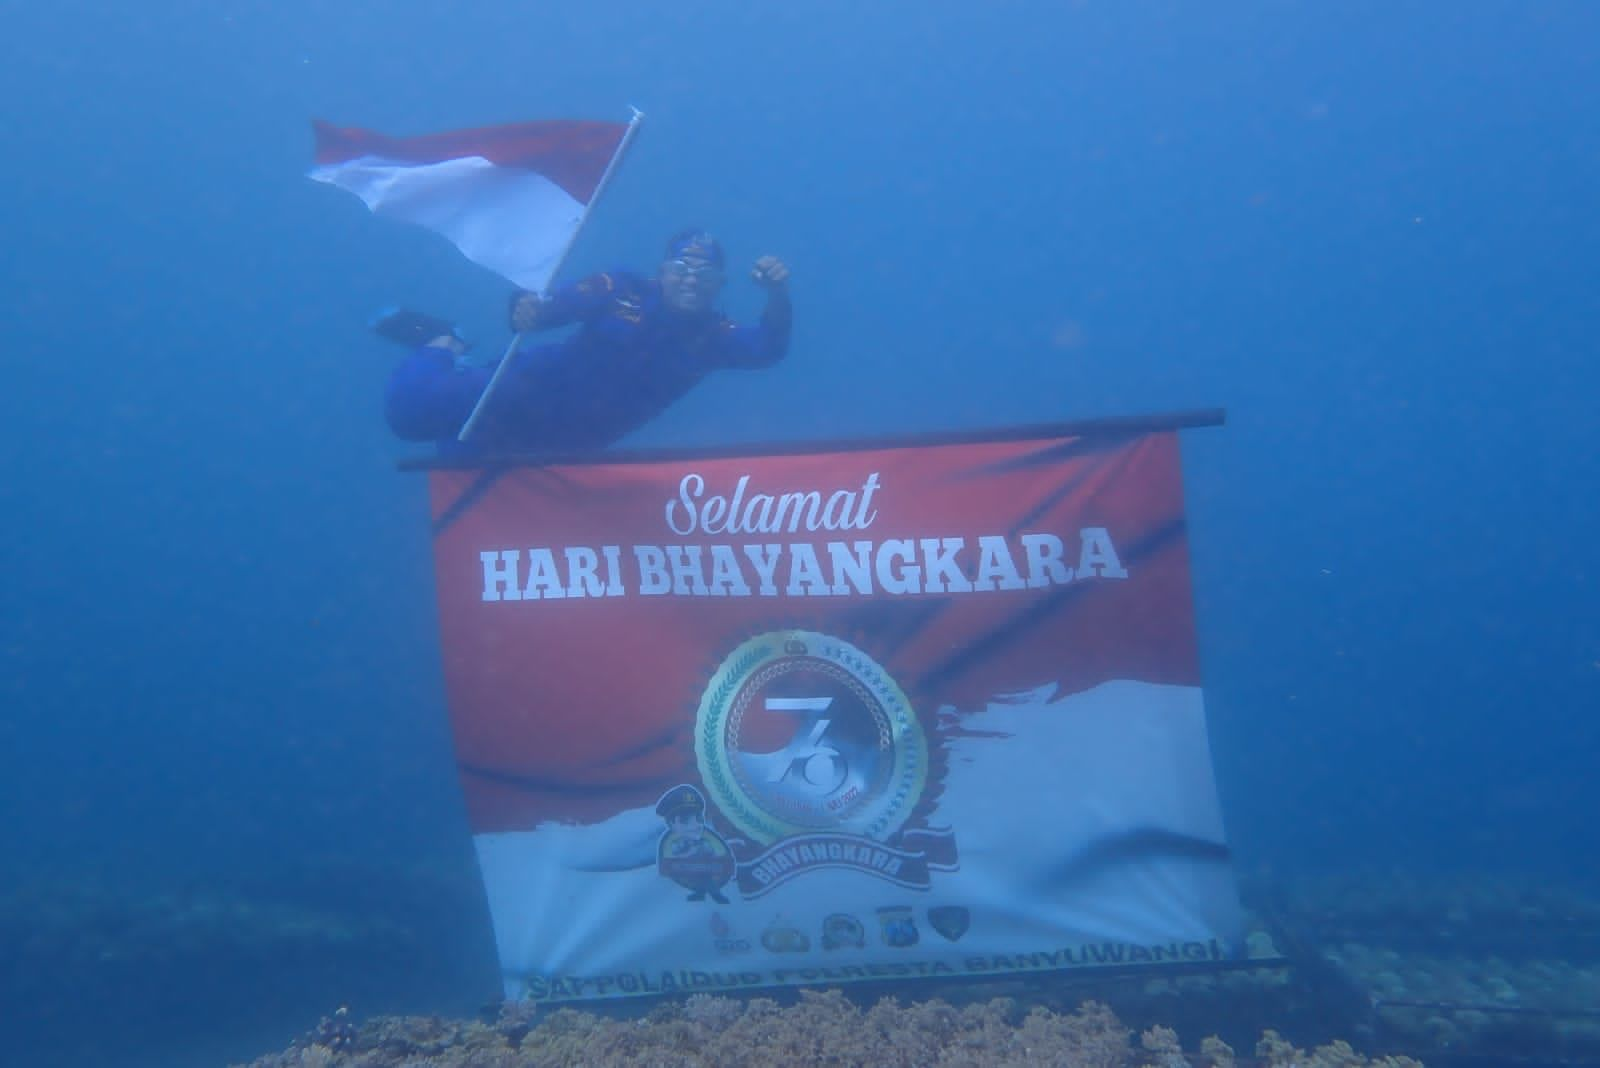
(770, 272)
(524, 311)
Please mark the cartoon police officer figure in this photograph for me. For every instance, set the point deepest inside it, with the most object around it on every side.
(690, 853)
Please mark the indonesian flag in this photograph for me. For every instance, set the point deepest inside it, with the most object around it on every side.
(511, 197)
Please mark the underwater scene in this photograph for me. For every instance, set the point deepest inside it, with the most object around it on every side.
(1028, 533)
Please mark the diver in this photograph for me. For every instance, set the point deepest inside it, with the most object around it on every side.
(641, 344)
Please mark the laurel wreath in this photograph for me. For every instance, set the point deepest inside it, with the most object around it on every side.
(715, 771)
(895, 722)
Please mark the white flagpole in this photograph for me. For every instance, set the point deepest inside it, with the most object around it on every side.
(572, 239)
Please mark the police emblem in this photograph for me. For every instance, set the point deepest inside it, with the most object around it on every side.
(800, 733)
(723, 937)
(897, 926)
(951, 921)
(782, 937)
(842, 931)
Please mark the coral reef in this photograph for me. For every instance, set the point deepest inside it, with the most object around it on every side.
(79, 925)
(1274, 1052)
(96, 969)
(1449, 969)
(821, 1029)
(1482, 966)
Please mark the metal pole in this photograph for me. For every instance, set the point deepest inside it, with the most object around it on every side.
(572, 239)
(1114, 426)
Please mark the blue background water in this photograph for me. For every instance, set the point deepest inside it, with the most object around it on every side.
(1368, 230)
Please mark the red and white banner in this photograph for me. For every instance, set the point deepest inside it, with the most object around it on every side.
(860, 714)
(510, 197)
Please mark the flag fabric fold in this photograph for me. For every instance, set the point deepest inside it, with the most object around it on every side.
(510, 197)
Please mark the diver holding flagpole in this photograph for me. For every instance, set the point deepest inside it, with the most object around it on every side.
(516, 338)
(505, 196)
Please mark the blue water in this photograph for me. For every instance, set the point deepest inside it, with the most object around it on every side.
(1368, 230)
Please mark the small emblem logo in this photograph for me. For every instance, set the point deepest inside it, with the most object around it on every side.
(723, 938)
(897, 926)
(951, 921)
(842, 931)
(780, 937)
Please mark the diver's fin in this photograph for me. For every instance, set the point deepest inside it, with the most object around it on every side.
(412, 329)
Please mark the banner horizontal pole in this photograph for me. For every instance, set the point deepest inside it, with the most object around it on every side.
(1112, 426)
(1090, 979)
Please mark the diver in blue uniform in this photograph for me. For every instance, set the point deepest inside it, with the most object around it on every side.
(641, 344)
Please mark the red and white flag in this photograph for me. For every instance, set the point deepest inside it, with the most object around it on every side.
(511, 198)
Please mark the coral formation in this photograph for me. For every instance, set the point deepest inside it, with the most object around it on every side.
(821, 1029)
(1480, 970)
(171, 973)
(1487, 966)
(75, 923)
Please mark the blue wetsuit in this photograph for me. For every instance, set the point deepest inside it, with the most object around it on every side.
(630, 359)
